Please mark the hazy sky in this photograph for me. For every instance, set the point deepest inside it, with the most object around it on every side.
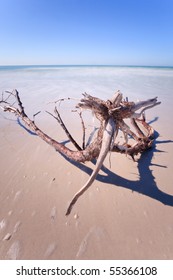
(118, 32)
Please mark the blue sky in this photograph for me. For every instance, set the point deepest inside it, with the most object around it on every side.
(115, 32)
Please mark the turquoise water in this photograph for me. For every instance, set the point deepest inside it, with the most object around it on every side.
(16, 67)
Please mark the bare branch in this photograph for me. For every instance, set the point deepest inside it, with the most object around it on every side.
(83, 129)
(60, 121)
(63, 99)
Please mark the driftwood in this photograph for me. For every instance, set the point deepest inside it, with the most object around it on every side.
(111, 115)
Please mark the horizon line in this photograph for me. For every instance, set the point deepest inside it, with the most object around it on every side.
(85, 65)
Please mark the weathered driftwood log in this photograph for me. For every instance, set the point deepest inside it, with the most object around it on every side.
(111, 115)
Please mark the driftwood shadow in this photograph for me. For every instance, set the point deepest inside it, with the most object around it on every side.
(146, 184)
(25, 128)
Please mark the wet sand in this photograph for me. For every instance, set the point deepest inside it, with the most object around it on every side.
(126, 214)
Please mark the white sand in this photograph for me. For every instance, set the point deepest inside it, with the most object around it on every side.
(112, 220)
(123, 215)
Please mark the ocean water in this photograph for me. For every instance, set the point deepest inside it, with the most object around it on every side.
(39, 85)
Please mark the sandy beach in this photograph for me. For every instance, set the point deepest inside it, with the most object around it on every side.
(127, 213)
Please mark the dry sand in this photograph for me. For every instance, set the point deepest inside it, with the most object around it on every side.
(126, 214)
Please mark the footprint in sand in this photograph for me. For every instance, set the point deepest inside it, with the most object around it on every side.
(14, 251)
(8, 236)
(17, 194)
(16, 227)
(51, 248)
(3, 224)
(95, 233)
(10, 213)
(53, 213)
